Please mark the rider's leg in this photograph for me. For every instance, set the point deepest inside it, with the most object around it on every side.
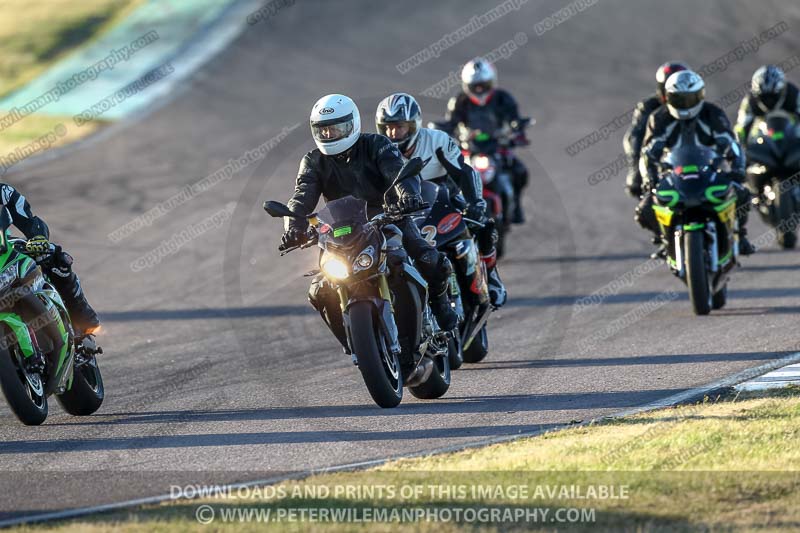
(519, 176)
(325, 300)
(435, 268)
(487, 238)
(58, 269)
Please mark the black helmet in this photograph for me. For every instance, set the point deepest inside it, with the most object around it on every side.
(399, 108)
(768, 87)
(665, 71)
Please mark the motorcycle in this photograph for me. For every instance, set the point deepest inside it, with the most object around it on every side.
(490, 154)
(444, 226)
(39, 355)
(389, 329)
(773, 171)
(695, 205)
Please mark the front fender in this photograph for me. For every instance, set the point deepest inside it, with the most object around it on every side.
(17, 331)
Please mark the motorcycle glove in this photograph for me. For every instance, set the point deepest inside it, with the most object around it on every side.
(476, 210)
(408, 203)
(292, 237)
(38, 246)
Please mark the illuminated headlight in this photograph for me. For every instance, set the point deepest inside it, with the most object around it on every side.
(8, 276)
(480, 162)
(335, 268)
(364, 259)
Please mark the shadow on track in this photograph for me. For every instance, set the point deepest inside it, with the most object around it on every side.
(646, 296)
(204, 314)
(626, 361)
(265, 438)
(453, 405)
(626, 256)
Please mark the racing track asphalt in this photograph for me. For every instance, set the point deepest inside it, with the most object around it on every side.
(215, 367)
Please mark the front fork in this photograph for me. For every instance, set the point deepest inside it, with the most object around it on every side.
(384, 311)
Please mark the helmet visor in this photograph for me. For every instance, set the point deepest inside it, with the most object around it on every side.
(328, 131)
(770, 100)
(397, 131)
(480, 87)
(685, 101)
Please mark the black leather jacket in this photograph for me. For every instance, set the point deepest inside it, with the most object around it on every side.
(750, 109)
(21, 216)
(501, 109)
(634, 137)
(710, 127)
(365, 171)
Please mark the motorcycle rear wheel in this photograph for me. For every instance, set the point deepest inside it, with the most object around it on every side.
(479, 348)
(437, 384)
(87, 392)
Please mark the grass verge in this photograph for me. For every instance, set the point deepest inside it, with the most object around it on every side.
(718, 465)
(33, 36)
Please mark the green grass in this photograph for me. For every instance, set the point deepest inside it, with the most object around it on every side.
(724, 465)
(34, 35)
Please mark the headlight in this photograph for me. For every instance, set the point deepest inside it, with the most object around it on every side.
(334, 267)
(364, 259)
(8, 276)
(480, 162)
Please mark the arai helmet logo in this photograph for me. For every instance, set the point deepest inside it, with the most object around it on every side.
(326, 111)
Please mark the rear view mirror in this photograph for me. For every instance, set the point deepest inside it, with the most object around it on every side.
(412, 167)
(277, 209)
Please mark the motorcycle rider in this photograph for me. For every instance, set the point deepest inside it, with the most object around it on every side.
(769, 91)
(56, 264)
(635, 134)
(399, 118)
(688, 118)
(347, 162)
(481, 102)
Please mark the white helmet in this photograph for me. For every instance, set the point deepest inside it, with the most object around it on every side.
(335, 124)
(478, 78)
(686, 92)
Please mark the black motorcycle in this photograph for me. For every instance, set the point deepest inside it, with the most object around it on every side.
(444, 226)
(695, 205)
(489, 151)
(773, 172)
(389, 329)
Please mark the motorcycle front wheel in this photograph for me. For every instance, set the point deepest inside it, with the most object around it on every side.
(697, 273)
(379, 368)
(23, 391)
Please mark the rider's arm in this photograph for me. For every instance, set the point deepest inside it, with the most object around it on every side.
(454, 115)
(652, 147)
(792, 103)
(21, 216)
(634, 137)
(508, 106)
(307, 190)
(744, 120)
(390, 161)
(449, 155)
(727, 142)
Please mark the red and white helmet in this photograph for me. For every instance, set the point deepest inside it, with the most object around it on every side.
(478, 79)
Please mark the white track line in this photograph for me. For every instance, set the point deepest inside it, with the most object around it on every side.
(658, 404)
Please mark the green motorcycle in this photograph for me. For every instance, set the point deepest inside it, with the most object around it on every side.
(39, 355)
(695, 205)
